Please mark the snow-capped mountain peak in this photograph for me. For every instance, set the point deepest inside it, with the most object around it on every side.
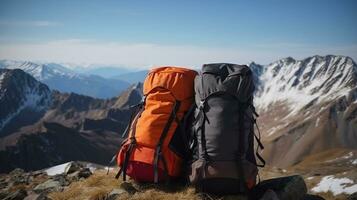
(316, 78)
(39, 71)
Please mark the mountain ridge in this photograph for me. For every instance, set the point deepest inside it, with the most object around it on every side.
(306, 107)
(64, 79)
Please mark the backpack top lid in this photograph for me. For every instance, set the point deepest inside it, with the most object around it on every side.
(226, 69)
(228, 78)
(178, 80)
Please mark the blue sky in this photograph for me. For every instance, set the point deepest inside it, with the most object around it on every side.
(143, 33)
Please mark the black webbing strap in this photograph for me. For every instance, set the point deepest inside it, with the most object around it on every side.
(260, 145)
(126, 160)
(132, 143)
(157, 155)
(126, 131)
(137, 108)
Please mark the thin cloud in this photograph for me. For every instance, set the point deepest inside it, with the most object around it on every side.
(146, 54)
(28, 23)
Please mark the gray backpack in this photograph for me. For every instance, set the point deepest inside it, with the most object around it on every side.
(223, 130)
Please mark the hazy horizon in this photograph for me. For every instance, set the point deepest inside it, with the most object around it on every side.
(140, 34)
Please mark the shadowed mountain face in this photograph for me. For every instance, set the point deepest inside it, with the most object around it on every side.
(20, 93)
(41, 128)
(306, 107)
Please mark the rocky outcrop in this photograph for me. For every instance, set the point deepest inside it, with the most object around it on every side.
(19, 184)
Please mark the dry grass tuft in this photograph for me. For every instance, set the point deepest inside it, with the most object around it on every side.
(95, 187)
(99, 185)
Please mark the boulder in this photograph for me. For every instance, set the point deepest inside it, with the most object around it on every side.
(84, 173)
(3, 184)
(72, 167)
(3, 194)
(16, 171)
(61, 179)
(352, 196)
(286, 188)
(49, 186)
(17, 195)
(18, 176)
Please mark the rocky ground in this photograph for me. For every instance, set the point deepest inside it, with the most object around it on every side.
(77, 180)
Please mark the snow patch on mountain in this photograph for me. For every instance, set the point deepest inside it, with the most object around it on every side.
(335, 185)
(58, 169)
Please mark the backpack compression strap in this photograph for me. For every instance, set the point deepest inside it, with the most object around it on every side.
(257, 138)
(132, 140)
(201, 118)
(158, 151)
(136, 110)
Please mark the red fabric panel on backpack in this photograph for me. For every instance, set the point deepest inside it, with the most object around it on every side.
(143, 172)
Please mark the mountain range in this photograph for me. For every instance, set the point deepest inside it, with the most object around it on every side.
(307, 107)
(64, 79)
(42, 127)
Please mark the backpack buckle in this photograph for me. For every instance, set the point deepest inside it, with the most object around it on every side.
(202, 104)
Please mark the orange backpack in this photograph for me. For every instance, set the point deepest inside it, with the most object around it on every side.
(156, 142)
